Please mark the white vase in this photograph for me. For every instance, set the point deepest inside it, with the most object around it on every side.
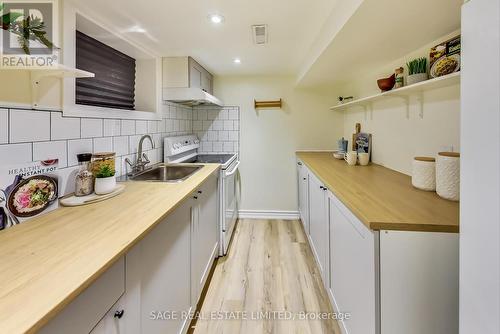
(448, 175)
(105, 185)
(424, 173)
(414, 78)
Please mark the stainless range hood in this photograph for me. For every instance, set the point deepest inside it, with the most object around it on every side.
(190, 97)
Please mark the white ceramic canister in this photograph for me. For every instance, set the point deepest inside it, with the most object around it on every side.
(424, 173)
(448, 175)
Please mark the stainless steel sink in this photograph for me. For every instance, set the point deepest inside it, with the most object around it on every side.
(166, 173)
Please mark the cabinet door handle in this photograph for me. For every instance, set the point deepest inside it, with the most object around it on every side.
(195, 197)
(299, 163)
(200, 192)
(305, 178)
(119, 314)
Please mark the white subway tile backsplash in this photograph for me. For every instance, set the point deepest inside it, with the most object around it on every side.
(233, 135)
(120, 145)
(29, 126)
(223, 135)
(4, 126)
(92, 127)
(16, 153)
(207, 125)
(218, 125)
(233, 114)
(152, 127)
(77, 146)
(212, 114)
(228, 125)
(212, 136)
(128, 127)
(112, 127)
(202, 115)
(229, 146)
(64, 127)
(141, 127)
(55, 136)
(224, 114)
(197, 125)
(206, 146)
(217, 146)
(133, 143)
(104, 144)
(51, 150)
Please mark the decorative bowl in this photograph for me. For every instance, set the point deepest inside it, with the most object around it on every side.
(387, 83)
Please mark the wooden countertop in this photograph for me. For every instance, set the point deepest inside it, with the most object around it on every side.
(49, 260)
(382, 198)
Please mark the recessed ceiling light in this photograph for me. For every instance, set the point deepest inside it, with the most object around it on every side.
(237, 60)
(216, 18)
(137, 29)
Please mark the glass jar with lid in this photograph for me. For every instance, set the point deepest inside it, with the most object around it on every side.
(84, 181)
(101, 160)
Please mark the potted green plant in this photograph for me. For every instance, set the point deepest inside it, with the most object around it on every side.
(417, 70)
(105, 181)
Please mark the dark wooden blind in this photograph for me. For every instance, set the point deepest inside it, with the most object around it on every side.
(114, 83)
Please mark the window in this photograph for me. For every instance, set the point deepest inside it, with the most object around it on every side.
(114, 82)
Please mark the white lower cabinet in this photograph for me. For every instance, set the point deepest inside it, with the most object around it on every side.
(318, 225)
(204, 235)
(157, 279)
(303, 194)
(389, 282)
(352, 270)
(419, 275)
(87, 310)
(156, 285)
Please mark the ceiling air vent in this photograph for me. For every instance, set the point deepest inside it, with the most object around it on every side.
(259, 34)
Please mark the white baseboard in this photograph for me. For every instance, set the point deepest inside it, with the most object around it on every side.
(268, 214)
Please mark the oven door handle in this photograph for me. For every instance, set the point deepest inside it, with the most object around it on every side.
(228, 174)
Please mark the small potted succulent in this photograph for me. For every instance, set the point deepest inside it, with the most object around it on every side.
(417, 70)
(105, 181)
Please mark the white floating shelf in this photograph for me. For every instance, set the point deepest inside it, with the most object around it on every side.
(39, 73)
(404, 92)
(59, 71)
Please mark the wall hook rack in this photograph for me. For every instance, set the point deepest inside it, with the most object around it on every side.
(268, 104)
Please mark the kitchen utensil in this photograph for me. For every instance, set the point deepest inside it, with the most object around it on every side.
(424, 173)
(351, 158)
(448, 175)
(386, 84)
(364, 158)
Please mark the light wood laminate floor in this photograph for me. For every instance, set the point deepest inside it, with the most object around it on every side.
(270, 268)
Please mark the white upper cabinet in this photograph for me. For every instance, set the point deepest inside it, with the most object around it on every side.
(185, 72)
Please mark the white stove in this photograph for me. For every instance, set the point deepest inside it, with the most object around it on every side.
(184, 149)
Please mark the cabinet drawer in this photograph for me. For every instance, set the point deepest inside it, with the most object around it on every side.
(83, 313)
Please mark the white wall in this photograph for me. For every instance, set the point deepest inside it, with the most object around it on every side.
(396, 138)
(480, 170)
(269, 138)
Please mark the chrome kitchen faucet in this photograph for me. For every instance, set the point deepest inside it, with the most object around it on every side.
(142, 159)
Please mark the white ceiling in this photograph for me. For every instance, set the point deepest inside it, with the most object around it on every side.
(182, 28)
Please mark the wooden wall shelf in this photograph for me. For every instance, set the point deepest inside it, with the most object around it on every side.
(268, 104)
